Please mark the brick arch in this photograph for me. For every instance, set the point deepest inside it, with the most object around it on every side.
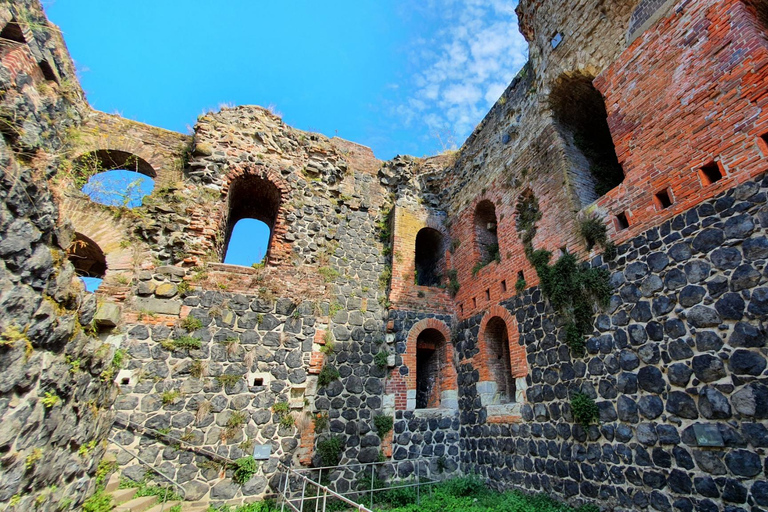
(109, 234)
(278, 249)
(517, 356)
(448, 375)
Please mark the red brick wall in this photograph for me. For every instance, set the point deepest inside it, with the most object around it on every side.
(399, 384)
(484, 360)
(691, 90)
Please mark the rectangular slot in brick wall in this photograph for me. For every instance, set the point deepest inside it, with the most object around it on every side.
(474, 303)
(762, 141)
(503, 286)
(662, 199)
(488, 294)
(621, 221)
(520, 275)
(461, 309)
(710, 173)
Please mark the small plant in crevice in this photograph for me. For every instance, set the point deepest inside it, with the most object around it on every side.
(50, 399)
(330, 343)
(321, 422)
(198, 369)
(453, 282)
(236, 421)
(170, 397)
(228, 379)
(282, 411)
(329, 450)
(191, 323)
(327, 375)
(520, 285)
(243, 469)
(381, 358)
(383, 424)
(594, 232)
(584, 409)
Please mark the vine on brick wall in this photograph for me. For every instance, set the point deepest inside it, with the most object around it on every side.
(572, 289)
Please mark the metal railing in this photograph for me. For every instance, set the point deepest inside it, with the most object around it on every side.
(154, 469)
(302, 488)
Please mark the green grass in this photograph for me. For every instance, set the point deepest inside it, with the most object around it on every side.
(469, 494)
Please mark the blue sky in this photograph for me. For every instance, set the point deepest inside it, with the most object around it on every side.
(399, 78)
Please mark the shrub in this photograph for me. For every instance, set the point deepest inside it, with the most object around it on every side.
(281, 408)
(383, 424)
(228, 379)
(330, 449)
(520, 285)
(464, 486)
(584, 409)
(327, 375)
(170, 397)
(244, 468)
(329, 274)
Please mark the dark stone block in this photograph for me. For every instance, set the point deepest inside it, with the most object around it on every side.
(758, 304)
(726, 258)
(650, 379)
(708, 239)
(746, 335)
(703, 316)
(745, 362)
(679, 350)
(657, 261)
(662, 305)
(734, 491)
(680, 252)
(679, 374)
(650, 406)
(744, 277)
(691, 295)
(697, 271)
(744, 463)
(682, 404)
(708, 340)
(713, 404)
(675, 279)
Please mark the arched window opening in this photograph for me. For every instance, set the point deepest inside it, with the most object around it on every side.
(430, 358)
(114, 178)
(11, 33)
(497, 340)
(248, 243)
(89, 261)
(253, 206)
(429, 257)
(581, 116)
(485, 233)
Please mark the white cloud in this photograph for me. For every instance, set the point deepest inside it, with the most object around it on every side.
(464, 65)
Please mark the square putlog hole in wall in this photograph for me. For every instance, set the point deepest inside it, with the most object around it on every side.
(504, 286)
(710, 173)
(662, 199)
(762, 141)
(622, 222)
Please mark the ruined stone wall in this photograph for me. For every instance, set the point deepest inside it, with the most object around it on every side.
(681, 347)
(56, 388)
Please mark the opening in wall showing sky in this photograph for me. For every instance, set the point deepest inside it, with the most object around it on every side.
(398, 77)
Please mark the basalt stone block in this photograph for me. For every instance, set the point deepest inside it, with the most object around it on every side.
(713, 404)
(708, 239)
(730, 306)
(751, 400)
(744, 463)
(680, 252)
(675, 279)
(646, 434)
(650, 406)
(657, 261)
(726, 258)
(747, 335)
(683, 457)
(691, 295)
(650, 379)
(679, 350)
(758, 304)
(755, 248)
(706, 486)
(710, 462)
(679, 374)
(717, 286)
(708, 341)
(759, 492)
(663, 305)
(703, 316)
(682, 404)
(746, 362)
(697, 271)
(744, 277)
(734, 491)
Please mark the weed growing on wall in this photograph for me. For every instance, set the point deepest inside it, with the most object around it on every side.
(383, 424)
(327, 375)
(330, 449)
(594, 232)
(244, 468)
(584, 409)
